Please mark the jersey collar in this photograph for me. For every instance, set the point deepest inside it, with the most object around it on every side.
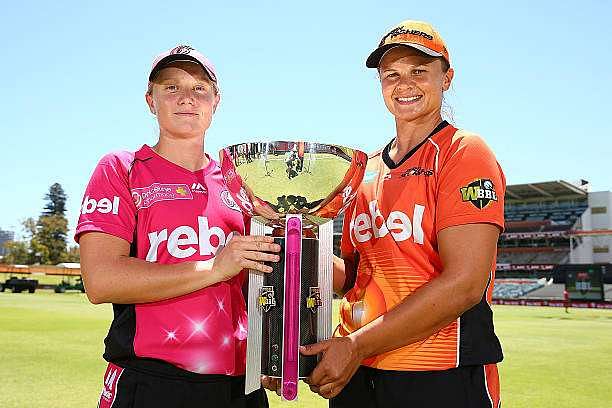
(144, 153)
(392, 165)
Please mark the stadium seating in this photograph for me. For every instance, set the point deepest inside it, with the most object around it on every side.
(540, 219)
(516, 288)
(524, 226)
(554, 257)
(531, 253)
(559, 212)
(515, 257)
(538, 232)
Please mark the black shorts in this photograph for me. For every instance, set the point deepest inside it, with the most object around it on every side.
(129, 388)
(462, 387)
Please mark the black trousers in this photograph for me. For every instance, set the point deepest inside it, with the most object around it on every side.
(129, 388)
(462, 387)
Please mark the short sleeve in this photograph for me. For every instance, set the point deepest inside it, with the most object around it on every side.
(471, 185)
(107, 204)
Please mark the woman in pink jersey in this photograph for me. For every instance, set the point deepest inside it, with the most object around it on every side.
(163, 241)
(418, 249)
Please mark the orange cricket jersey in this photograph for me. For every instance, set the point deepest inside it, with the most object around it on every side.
(451, 178)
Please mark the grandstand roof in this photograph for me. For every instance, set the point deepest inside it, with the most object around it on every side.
(547, 190)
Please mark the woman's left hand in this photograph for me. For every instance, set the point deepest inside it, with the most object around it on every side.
(340, 359)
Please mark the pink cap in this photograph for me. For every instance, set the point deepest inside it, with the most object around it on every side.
(182, 53)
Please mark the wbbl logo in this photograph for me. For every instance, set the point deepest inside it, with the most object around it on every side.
(480, 192)
(266, 298)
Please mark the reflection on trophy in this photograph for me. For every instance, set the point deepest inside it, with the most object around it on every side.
(307, 184)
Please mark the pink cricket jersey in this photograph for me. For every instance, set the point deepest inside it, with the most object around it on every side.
(170, 215)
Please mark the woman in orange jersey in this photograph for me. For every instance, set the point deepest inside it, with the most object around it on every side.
(418, 251)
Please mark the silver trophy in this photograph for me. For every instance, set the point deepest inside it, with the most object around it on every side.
(307, 184)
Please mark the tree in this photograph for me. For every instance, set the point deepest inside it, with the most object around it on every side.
(17, 253)
(73, 254)
(51, 234)
(28, 251)
(56, 201)
(45, 238)
(52, 228)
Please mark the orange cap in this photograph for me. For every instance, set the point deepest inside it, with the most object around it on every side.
(410, 33)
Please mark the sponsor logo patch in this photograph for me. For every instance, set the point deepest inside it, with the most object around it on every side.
(145, 197)
(185, 241)
(181, 49)
(417, 171)
(198, 188)
(266, 298)
(404, 34)
(397, 224)
(313, 301)
(109, 392)
(480, 192)
(103, 205)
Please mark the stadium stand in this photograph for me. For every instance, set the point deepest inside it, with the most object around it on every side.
(539, 221)
(549, 225)
(516, 288)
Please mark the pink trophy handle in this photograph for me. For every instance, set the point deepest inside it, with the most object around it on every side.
(293, 251)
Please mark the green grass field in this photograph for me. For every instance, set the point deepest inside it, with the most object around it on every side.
(50, 348)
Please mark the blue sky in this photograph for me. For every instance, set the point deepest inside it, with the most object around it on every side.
(531, 77)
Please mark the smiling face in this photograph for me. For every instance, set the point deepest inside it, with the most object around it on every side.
(413, 83)
(184, 99)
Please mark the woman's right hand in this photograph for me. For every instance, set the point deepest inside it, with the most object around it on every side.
(245, 252)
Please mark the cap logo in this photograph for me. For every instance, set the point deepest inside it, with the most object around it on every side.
(182, 49)
(400, 31)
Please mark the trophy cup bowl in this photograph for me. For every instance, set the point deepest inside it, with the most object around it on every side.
(305, 185)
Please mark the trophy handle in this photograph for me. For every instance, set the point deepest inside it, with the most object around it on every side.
(254, 338)
(291, 305)
(326, 279)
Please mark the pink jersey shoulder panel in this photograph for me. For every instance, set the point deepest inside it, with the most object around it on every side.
(107, 205)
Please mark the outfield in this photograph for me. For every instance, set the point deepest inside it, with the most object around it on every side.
(50, 347)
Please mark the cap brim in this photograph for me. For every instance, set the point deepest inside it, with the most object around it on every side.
(374, 59)
(179, 57)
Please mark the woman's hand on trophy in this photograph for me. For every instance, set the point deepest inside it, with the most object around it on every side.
(245, 252)
(272, 384)
(339, 361)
